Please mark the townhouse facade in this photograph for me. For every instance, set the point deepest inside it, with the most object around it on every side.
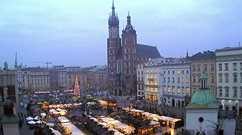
(229, 78)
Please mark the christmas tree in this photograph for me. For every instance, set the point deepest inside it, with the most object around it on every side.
(76, 89)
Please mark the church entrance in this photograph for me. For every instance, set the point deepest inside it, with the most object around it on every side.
(173, 102)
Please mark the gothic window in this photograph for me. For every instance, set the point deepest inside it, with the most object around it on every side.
(126, 41)
(126, 50)
(119, 66)
(134, 50)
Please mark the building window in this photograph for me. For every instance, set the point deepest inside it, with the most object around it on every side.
(234, 66)
(164, 79)
(138, 72)
(148, 96)
(193, 68)
(212, 67)
(187, 79)
(235, 92)
(240, 92)
(194, 79)
(235, 77)
(187, 72)
(178, 80)
(169, 89)
(220, 78)
(178, 71)
(151, 82)
(240, 66)
(164, 89)
(219, 67)
(173, 80)
(212, 79)
(241, 77)
(178, 90)
(168, 79)
(147, 82)
(147, 70)
(182, 71)
(183, 79)
(151, 76)
(173, 72)
(151, 70)
(173, 89)
(151, 89)
(220, 92)
(226, 77)
(155, 76)
(147, 76)
(168, 72)
(148, 89)
(198, 67)
(226, 66)
(226, 92)
(205, 67)
(155, 82)
(187, 90)
(156, 90)
(164, 72)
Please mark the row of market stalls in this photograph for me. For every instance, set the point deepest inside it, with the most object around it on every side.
(164, 120)
(58, 112)
(70, 129)
(46, 105)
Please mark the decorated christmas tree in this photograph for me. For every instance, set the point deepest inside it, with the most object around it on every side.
(76, 89)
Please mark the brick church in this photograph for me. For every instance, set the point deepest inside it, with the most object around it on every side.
(123, 56)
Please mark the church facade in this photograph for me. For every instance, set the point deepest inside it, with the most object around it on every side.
(123, 56)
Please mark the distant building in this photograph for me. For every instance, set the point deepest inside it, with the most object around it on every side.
(229, 78)
(123, 56)
(36, 79)
(203, 62)
(8, 86)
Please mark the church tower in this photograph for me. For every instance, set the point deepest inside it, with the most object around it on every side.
(129, 56)
(113, 47)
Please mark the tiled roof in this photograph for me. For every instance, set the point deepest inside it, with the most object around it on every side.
(146, 51)
(204, 55)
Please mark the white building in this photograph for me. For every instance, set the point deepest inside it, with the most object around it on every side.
(176, 84)
(229, 78)
(167, 80)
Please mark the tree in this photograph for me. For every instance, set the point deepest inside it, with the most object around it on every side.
(76, 89)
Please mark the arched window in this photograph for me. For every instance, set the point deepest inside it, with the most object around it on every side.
(119, 66)
(126, 41)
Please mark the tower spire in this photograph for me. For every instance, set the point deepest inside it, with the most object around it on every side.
(113, 9)
(15, 65)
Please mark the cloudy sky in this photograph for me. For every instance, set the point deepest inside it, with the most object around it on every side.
(74, 32)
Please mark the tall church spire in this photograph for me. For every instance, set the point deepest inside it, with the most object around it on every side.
(113, 18)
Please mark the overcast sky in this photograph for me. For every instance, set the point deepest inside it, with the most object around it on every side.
(74, 32)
